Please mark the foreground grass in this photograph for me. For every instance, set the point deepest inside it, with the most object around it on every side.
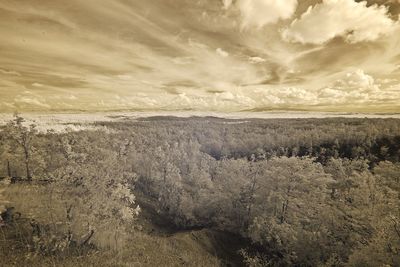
(144, 250)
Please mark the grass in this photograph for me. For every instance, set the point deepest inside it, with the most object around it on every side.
(157, 244)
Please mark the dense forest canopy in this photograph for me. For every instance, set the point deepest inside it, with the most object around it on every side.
(297, 192)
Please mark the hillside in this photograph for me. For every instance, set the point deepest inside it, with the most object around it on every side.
(157, 243)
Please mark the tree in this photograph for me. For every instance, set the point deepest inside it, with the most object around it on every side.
(5, 153)
(22, 137)
(290, 220)
(383, 248)
(388, 174)
(95, 190)
(248, 191)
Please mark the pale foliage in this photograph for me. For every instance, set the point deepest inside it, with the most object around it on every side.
(93, 186)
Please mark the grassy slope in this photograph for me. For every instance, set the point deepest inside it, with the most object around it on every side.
(158, 244)
(204, 242)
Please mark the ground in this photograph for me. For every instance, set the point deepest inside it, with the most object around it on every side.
(158, 243)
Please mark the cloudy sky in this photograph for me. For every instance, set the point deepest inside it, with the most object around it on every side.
(203, 55)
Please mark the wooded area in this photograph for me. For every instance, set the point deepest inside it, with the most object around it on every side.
(297, 192)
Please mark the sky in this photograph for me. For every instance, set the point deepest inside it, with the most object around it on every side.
(200, 55)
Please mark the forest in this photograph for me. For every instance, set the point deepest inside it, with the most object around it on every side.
(202, 191)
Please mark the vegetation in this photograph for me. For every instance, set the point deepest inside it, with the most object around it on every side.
(309, 192)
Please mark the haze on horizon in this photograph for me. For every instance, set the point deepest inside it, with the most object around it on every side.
(205, 55)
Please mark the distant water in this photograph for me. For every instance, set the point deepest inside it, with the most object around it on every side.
(79, 121)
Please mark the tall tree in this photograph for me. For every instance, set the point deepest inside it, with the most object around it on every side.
(23, 137)
(96, 190)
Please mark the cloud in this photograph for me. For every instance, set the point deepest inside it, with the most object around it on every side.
(10, 72)
(222, 52)
(294, 95)
(356, 87)
(30, 102)
(353, 21)
(258, 13)
(355, 80)
(353, 90)
(227, 3)
(256, 60)
(191, 55)
(37, 85)
(226, 96)
(125, 77)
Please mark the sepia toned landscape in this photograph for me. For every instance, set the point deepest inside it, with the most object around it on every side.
(226, 133)
(202, 191)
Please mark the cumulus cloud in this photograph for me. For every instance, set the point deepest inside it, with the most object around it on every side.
(258, 13)
(355, 80)
(218, 101)
(353, 21)
(356, 87)
(226, 96)
(294, 95)
(351, 89)
(285, 97)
